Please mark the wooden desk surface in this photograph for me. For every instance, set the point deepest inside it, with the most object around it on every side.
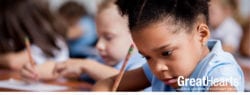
(72, 85)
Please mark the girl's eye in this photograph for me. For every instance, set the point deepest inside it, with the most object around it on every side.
(166, 53)
(108, 38)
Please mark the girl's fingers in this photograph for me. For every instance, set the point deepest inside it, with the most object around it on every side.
(29, 68)
(65, 72)
(59, 68)
(27, 74)
(71, 75)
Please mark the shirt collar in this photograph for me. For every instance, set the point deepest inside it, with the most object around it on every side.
(214, 47)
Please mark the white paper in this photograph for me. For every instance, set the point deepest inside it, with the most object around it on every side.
(21, 85)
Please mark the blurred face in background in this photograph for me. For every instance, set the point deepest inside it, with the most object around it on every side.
(219, 10)
(75, 31)
(114, 37)
(216, 13)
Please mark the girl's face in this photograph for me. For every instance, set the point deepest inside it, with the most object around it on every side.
(169, 54)
(114, 37)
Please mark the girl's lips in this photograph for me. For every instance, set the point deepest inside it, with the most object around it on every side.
(170, 81)
(105, 58)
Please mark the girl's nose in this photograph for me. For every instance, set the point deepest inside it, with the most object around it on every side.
(161, 66)
(100, 45)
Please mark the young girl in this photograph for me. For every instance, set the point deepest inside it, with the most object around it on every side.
(173, 37)
(32, 19)
(113, 44)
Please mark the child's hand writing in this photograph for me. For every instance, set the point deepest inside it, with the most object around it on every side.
(29, 73)
(38, 72)
(73, 68)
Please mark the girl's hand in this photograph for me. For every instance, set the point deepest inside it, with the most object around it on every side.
(39, 72)
(29, 73)
(14, 61)
(71, 68)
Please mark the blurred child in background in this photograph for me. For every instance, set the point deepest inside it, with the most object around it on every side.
(113, 44)
(223, 26)
(32, 19)
(82, 31)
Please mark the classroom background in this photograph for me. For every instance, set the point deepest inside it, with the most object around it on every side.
(83, 39)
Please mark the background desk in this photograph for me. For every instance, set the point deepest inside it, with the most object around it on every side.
(72, 85)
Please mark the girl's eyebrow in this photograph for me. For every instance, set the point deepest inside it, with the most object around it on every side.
(156, 49)
(161, 47)
(108, 33)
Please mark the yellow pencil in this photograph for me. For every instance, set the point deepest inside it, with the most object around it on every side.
(120, 75)
(27, 43)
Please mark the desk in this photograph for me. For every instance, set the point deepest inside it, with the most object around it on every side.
(72, 85)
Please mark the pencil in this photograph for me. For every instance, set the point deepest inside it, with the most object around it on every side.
(27, 43)
(121, 73)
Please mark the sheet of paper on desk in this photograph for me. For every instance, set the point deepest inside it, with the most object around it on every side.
(20, 85)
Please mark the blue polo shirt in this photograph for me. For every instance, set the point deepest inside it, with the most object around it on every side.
(217, 67)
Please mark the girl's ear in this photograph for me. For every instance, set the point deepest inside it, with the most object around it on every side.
(203, 33)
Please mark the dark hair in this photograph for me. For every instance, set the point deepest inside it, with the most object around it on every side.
(144, 12)
(32, 19)
(72, 11)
